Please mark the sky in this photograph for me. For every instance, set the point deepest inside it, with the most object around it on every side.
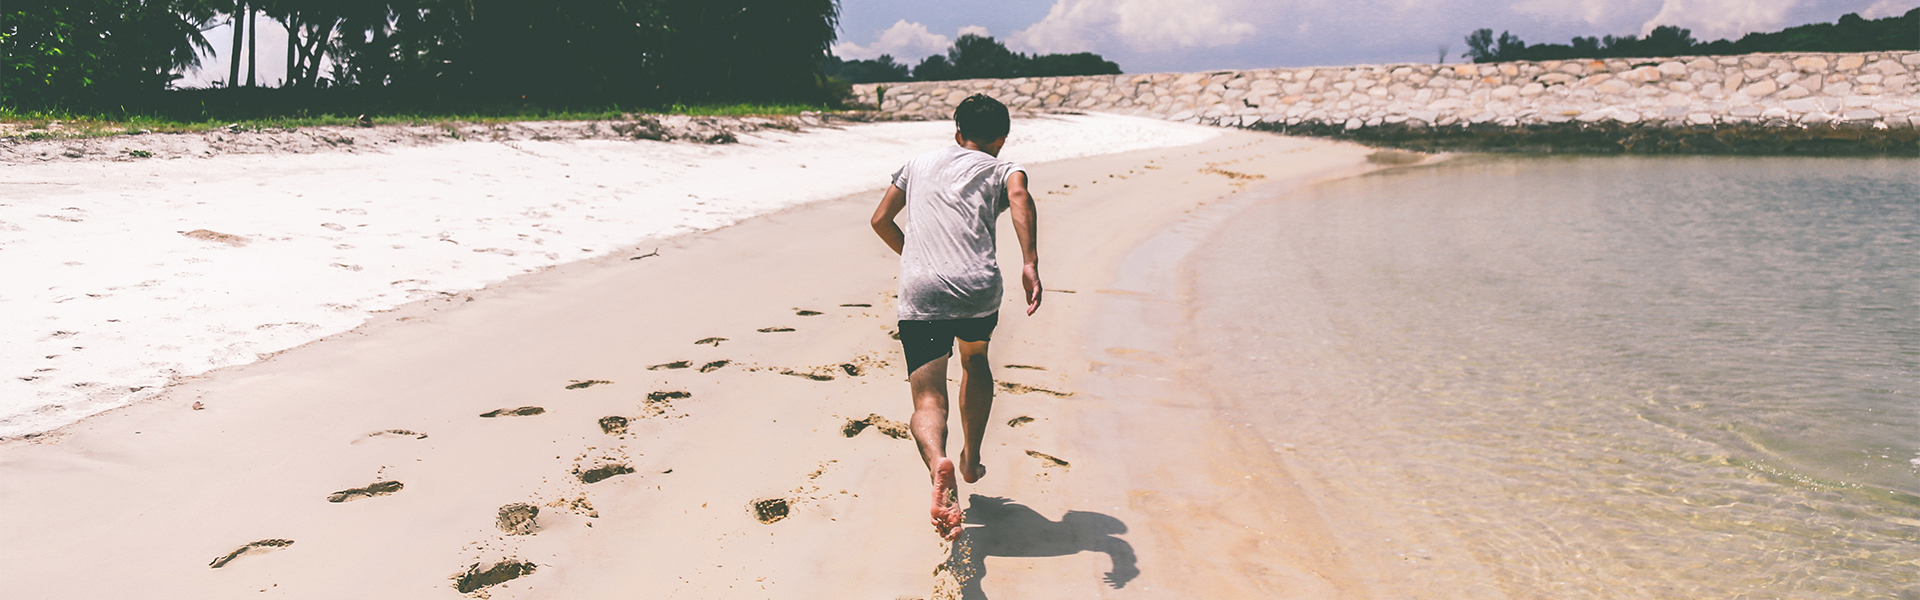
(1149, 36)
(1152, 36)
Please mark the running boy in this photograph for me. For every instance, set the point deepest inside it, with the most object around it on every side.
(950, 283)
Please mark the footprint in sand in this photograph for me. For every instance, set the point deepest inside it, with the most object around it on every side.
(714, 366)
(1020, 420)
(518, 519)
(658, 403)
(712, 341)
(524, 411)
(774, 329)
(583, 384)
(397, 433)
(806, 375)
(1017, 388)
(501, 572)
(255, 548)
(376, 489)
(769, 510)
(806, 313)
(614, 425)
(678, 364)
(1027, 367)
(1048, 461)
(602, 472)
(892, 428)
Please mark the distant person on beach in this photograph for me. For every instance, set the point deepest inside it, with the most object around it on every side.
(950, 283)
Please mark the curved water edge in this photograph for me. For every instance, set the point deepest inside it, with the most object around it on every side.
(1592, 377)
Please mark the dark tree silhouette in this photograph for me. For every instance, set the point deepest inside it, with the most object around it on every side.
(980, 57)
(1851, 34)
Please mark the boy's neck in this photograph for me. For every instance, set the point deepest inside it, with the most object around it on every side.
(991, 148)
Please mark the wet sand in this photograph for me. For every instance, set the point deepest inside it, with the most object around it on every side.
(718, 420)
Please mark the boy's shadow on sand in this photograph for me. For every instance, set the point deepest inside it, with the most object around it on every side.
(1004, 528)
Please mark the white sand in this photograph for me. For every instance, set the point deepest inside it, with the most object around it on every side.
(1147, 492)
(106, 302)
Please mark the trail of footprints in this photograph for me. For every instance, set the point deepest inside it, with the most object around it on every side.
(522, 518)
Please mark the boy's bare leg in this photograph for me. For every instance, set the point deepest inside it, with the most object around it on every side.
(929, 425)
(976, 406)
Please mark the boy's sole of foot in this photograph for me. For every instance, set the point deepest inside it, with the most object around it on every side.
(946, 513)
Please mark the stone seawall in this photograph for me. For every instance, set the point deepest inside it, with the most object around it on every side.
(1758, 103)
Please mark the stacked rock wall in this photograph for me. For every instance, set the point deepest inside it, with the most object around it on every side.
(1853, 91)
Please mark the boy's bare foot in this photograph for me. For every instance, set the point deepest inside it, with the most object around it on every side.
(947, 517)
(973, 473)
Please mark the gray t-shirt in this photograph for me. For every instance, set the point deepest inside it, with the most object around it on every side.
(947, 268)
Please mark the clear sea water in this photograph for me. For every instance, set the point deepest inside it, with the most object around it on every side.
(1596, 377)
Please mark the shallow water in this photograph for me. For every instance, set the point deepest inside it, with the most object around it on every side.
(1604, 377)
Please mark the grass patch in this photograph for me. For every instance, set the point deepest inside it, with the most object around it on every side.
(41, 125)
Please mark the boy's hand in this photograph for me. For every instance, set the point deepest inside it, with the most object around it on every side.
(1030, 280)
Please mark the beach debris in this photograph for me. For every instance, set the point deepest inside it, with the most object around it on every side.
(655, 252)
(602, 472)
(806, 313)
(770, 510)
(198, 406)
(713, 341)
(518, 519)
(254, 548)
(582, 384)
(678, 364)
(614, 425)
(375, 489)
(1048, 461)
(364, 121)
(714, 366)
(501, 572)
(856, 306)
(774, 329)
(524, 411)
(893, 429)
(852, 370)
(1018, 421)
(1027, 367)
(215, 236)
(1018, 388)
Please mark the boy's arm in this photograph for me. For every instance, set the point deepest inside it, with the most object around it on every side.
(890, 206)
(1027, 227)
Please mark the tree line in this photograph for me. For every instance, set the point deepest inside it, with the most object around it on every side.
(457, 54)
(1851, 34)
(971, 57)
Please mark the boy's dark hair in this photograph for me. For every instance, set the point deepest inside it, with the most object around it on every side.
(982, 119)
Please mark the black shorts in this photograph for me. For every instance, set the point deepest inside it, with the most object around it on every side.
(925, 341)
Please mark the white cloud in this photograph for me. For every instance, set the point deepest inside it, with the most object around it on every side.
(1888, 8)
(1076, 25)
(976, 30)
(1721, 19)
(906, 42)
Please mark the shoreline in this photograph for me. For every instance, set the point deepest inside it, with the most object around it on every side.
(679, 493)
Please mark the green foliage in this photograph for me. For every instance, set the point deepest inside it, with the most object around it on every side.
(485, 56)
(978, 57)
(83, 52)
(1851, 34)
(879, 70)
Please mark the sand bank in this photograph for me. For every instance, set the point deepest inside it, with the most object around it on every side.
(685, 424)
(125, 276)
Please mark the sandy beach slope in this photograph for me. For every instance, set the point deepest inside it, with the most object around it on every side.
(709, 422)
